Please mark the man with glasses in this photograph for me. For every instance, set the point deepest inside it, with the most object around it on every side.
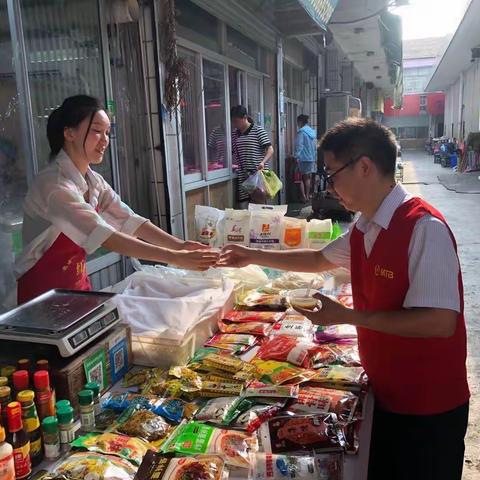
(408, 305)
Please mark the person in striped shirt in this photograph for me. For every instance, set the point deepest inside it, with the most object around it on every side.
(251, 149)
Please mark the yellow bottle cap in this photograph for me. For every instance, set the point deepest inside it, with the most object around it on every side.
(3, 381)
(2, 434)
(26, 396)
(5, 391)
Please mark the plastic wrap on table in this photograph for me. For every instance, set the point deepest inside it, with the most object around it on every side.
(199, 438)
(335, 333)
(252, 328)
(279, 373)
(343, 378)
(166, 467)
(281, 467)
(308, 432)
(244, 316)
(131, 449)
(83, 465)
(256, 300)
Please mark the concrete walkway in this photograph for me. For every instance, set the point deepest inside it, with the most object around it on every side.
(461, 182)
(462, 211)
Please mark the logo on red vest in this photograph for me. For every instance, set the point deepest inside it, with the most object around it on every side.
(383, 272)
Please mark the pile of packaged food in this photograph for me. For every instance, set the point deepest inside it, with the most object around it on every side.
(268, 396)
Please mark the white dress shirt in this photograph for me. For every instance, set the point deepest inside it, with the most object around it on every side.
(433, 263)
(55, 204)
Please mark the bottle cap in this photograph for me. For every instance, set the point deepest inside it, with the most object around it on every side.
(14, 417)
(65, 415)
(23, 364)
(50, 425)
(26, 396)
(20, 380)
(42, 365)
(93, 387)
(41, 380)
(3, 381)
(5, 392)
(85, 397)
(62, 403)
(7, 371)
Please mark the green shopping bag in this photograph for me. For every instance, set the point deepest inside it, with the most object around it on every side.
(272, 183)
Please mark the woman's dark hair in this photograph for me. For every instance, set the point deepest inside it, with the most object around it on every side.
(73, 111)
(240, 111)
(303, 119)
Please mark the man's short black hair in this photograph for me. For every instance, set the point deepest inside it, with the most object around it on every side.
(303, 119)
(360, 136)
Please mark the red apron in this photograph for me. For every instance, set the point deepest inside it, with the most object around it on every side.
(63, 265)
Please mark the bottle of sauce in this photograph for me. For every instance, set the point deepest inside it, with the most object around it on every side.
(31, 424)
(24, 364)
(20, 380)
(18, 439)
(43, 394)
(42, 365)
(5, 399)
(7, 465)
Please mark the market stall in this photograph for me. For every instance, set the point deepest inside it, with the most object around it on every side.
(183, 375)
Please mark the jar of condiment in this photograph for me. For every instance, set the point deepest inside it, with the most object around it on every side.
(7, 464)
(21, 380)
(5, 399)
(42, 365)
(43, 394)
(24, 364)
(61, 404)
(87, 413)
(51, 438)
(66, 427)
(19, 441)
(31, 424)
(94, 387)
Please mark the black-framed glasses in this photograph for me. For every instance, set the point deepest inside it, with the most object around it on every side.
(329, 178)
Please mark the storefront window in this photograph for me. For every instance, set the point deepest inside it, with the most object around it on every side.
(189, 111)
(215, 114)
(64, 58)
(254, 104)
(13, 176)
(241, 48)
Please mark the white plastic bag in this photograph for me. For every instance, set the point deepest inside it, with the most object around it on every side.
(254, 182)
(236, 227)
(319, 233)
(266, 225)
(208, 225)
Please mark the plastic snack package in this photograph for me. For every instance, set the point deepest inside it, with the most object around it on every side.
(166, 467)
(252, 328)
(318, 400)
(279, 373)
(335, 333)
(308, 432)
(175, 410)
(191, 381)
(252, 419)
(236, 316)
(215, 410)
(143, 424)
(208, 225)
(259, 389)
(255, 300)
(199, 438)
(296, 280)
(294, 233)
(86, 465)
(343, 378)
(128, 448)
(202, 352)
(330, 466)
(319, 233)
(106, 419)
(281, 467)
(294, 325)
(266, 225)
(230, 338)
(220, 389)
(121, 401)
(237, 227)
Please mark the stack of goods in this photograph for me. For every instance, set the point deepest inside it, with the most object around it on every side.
(268, 396)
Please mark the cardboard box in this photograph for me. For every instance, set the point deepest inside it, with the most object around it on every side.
(106, 361)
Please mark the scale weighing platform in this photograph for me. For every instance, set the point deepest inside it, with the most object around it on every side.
(66, 319)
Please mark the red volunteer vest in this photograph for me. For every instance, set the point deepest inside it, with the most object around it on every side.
(415, 376)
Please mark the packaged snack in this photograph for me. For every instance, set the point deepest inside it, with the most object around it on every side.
(338, 376)
(335, 333)
(236, 316)
(255, 300)
(121, 401)
(215, 410)
(252, 419)
(319, 233)
(165, 387)
(344, 295)
(105, 419)
(294, 233)
(201, 353)
(135, 377)
(259, 389)
(142, 424)
(351, 431)
(280, 467)
(218, 389)
(195, 438)
(279, 373)
(309, 432)
(296, 280)
(317, 400)
(87, 465)
(266, 225)
(252, 328)
(229, 338)
(228, 364)
(294, 326)
(237, 227)
(175, 409)
(132, 449)
(330, 466)
(208, 225)
(191, 381)
(166, 467)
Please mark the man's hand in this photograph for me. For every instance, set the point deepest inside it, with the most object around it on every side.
(194, 259)
(329, 312)
(235, 256)
(191, 245)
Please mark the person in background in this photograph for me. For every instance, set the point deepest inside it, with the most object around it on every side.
(252, 149)
(71, 211)
(306, 154)
(408, 305)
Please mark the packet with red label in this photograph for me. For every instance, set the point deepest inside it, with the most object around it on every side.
(253, 328)
(245, 316)
(281, 373)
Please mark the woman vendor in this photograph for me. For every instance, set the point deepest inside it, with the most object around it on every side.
(70, 211)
